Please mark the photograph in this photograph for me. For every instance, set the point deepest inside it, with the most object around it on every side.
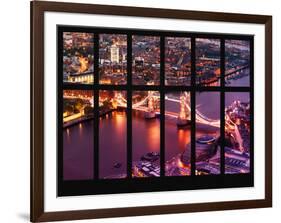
(143, 129)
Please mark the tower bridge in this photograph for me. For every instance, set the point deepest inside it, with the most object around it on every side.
(147, 104)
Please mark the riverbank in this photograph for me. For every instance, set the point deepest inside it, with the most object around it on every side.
(77, 121)
(89, 117)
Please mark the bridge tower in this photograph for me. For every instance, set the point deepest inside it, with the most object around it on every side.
(118, 96)
(184, 114)
(150, 112)
(115, 100)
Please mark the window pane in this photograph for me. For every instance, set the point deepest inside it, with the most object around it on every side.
(113, 134)
(208, 62)
(177, 61)
(237, 63)
(78, 134)
(78, 58)
(146, 134)
(177, 134)
(237, 132)
(207, 133)
(113, 59)
(146, 60)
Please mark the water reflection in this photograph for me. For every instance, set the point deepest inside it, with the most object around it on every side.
(113, 145)
(146, 135)
(78, 151)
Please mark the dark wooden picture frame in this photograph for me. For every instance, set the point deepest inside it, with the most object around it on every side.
(37, 110)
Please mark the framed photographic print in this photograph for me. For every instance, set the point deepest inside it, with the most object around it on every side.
(139, 111)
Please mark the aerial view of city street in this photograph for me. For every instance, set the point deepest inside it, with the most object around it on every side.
(145, 60)
(237, 63)
(207, 62)
(78, 58)
(115, 94)
(177, 61)
(112, 59)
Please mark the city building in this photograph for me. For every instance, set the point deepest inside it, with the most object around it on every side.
(114, 54)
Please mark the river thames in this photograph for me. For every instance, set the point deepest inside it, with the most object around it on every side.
(78, 139)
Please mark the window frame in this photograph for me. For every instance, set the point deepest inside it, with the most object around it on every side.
(163, 183)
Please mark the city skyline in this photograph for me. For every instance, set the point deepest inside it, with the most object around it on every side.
(78, 60)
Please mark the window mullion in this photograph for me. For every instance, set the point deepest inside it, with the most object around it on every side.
(222, 106)
(129, 106)
(162, 106)
(193, 107)
(96, 106)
